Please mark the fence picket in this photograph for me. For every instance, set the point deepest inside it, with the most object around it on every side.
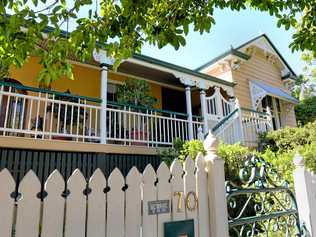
(28, 213)
(190, 191)
(177, 187)
(133, 203)
(163, 193)
(96, 220)
(149, 194)
(115, 209)
(7, 185)
(201, 190)
(75, 206)
(122, 211)
(53, 206)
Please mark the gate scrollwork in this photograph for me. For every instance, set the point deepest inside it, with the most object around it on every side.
(261, 203)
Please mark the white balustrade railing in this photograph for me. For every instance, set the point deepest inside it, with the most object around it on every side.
(243, 126)
(135, 126)
(43, 114)
(255, 123)
(229, 130)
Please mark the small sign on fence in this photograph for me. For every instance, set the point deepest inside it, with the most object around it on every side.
(158, 207)
(179, 228)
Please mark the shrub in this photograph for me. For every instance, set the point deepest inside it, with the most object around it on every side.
(233, 155)
(309, 154)
(288, 139)
(282, 163)
(181, 150)
(191, 149)
(306, 111)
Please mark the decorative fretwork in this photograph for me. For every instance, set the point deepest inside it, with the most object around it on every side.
(260, 203)
(257, 94)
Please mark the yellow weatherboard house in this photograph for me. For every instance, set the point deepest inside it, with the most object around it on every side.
(84, 124)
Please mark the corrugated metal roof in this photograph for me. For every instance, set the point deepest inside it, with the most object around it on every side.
(277, 92)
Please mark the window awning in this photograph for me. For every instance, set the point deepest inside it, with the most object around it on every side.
(259, 90)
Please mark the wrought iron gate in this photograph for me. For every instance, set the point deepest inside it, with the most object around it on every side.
(260, 203)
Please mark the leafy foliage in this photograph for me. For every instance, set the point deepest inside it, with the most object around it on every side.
(282, 162)
(233, 155)
(288, 139)
(122, 27)
(305, 84)
(181, 150)
(309, 154)
(282, 145)
(135, 92)
(305, 111)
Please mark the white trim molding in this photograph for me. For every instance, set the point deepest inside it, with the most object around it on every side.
(257, 94)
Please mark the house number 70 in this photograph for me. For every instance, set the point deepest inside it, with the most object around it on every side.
(188, 204)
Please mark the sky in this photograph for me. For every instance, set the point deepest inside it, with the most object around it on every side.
(231, 29)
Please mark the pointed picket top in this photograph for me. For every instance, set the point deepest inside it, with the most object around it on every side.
(96, 205)
(133, 176)
(97, 180)
(298, 160)
(6, 180)
(76, 179)
(53, 206)
(176, 168)
(30, 180)
(116, 178)
(55, 182)
(189, 165)
(149, 174)
(163, 172)
(7, 185)
(200, 162)
(115, 208)
(28, 214)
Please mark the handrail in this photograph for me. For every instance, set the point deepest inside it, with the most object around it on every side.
(96, 100)
(48, 91)
(221, 122)
(254, 111)
(143, 108)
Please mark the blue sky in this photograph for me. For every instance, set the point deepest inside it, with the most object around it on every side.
(232, 28)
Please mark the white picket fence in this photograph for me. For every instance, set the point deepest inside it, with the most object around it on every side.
(114, 207)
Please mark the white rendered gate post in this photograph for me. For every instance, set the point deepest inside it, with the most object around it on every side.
(305, 190)
(104, 61)
(216, 188)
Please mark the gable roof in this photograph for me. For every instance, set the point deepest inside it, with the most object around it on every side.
(232, 51)
(237, 52)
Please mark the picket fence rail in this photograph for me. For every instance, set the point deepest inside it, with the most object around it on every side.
(114, 207)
